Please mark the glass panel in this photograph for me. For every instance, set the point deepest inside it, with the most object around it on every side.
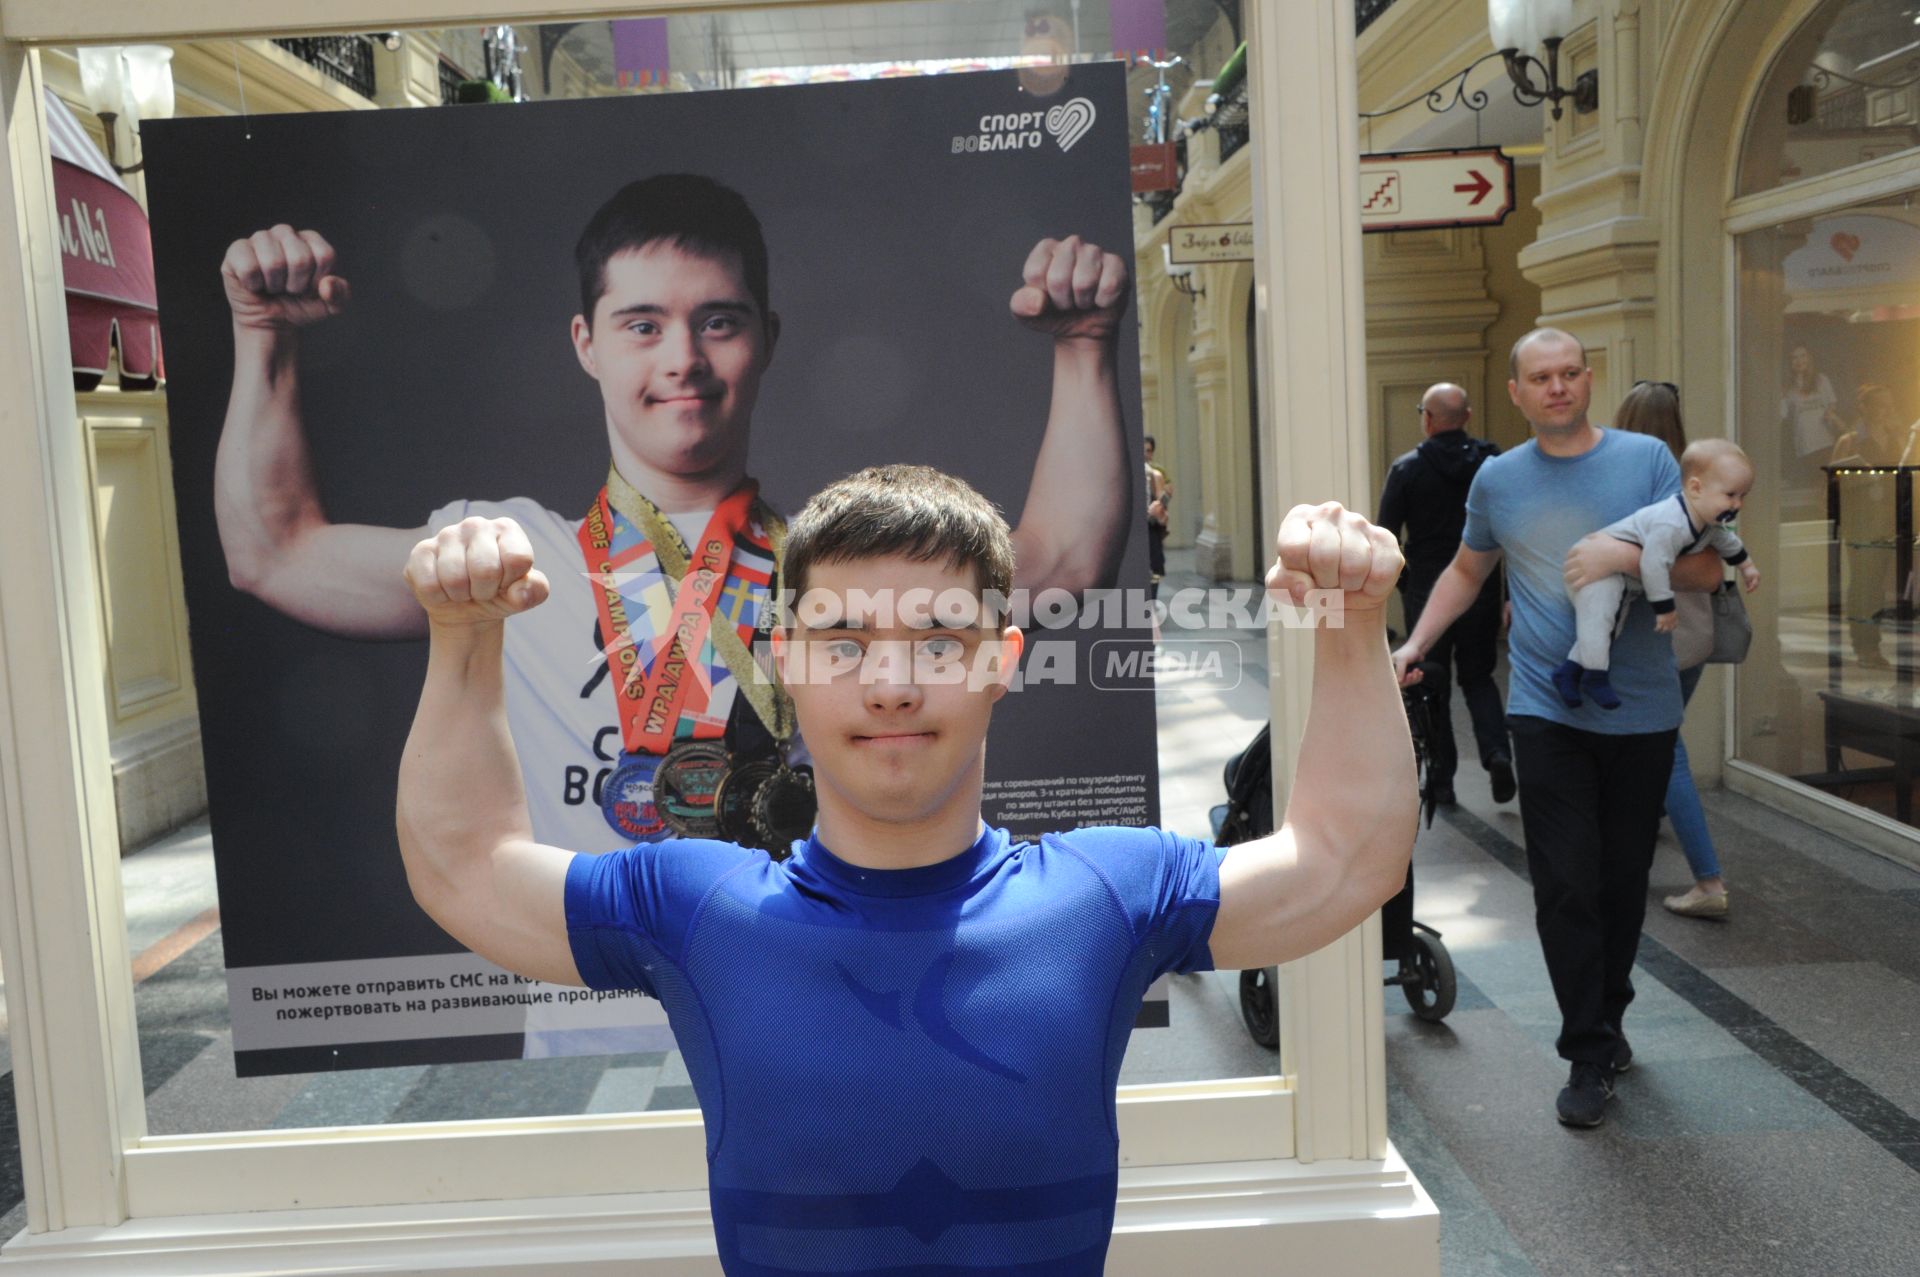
(1829, 394)
(1846, 89)
(175, 931)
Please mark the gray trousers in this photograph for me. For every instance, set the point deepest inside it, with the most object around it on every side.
(1598, 610)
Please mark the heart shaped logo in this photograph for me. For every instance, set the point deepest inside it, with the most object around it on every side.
(1846, 245)
(1069, 121)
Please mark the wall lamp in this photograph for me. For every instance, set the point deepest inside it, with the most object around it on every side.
(1519, 25)
(135, 80)
(1180, 276)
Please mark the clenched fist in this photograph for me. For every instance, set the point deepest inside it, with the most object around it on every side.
(1329, 547)
(477, 571)
(1072, 290)
(281, 279)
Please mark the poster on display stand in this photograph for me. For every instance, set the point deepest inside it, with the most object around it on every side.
(458, 361)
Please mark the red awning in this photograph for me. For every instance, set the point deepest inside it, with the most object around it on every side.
(106, 255)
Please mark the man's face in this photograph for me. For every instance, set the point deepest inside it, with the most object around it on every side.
(1554, 386)
(678, 346)
(894, 677)
(1149, 447)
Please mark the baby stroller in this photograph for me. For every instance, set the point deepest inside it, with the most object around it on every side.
(1422, 967)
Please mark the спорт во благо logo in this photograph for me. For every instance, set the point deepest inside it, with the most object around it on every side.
(1066, 122)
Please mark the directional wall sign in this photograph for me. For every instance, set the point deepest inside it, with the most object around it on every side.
(1416, 190)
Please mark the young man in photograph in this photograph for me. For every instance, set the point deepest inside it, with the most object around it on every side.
(905, 1038)
(626, 735)
(1591, 779)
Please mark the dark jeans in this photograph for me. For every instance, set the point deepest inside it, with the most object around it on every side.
(1470, 647)
(1590, 806)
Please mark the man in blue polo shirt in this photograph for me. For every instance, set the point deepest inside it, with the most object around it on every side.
(904, 1037)
(1591, 779)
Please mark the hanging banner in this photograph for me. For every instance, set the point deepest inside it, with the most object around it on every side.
(1421, 190)
(479, 347)
(640, 57)
(1139, 29)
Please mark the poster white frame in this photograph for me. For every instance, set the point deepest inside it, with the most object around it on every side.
(100, 1191)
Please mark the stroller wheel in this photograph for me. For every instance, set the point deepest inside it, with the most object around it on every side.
(1427, 977)
(1260, 1004)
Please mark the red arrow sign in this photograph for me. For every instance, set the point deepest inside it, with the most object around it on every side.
(1480, 186)
(1420, 190)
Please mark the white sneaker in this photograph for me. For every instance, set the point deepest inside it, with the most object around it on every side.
(1695, 903)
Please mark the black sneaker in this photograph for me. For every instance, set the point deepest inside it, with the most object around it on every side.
(1622, 1055)
(1500, 772)
(1583, 1101)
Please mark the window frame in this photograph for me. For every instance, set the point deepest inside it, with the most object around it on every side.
(88, 1161)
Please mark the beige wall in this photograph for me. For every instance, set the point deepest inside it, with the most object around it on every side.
(1519, 299)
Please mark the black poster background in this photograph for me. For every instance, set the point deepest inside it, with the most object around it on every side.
(451, 375)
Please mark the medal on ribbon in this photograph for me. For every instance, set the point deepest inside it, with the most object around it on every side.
(663, 686)
(784, 808)
(686, 785)
(626, 798)
(733, 803)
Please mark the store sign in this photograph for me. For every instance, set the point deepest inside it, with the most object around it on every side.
(1219, 242)
(1156, 167)
(1857, 252)
(1417, 190)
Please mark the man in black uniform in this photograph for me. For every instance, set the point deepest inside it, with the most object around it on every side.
(1426, 492)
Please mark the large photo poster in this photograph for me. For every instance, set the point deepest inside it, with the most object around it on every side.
(646, 328)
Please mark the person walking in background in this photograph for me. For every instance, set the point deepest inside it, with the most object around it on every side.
(1159, 497)
(1590, 778)
(1653, 408)
(1426, 492)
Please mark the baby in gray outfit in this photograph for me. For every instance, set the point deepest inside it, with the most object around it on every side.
(1715, 477)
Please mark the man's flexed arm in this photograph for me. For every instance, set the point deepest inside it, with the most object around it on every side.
(1342, 849)
(461, 814)
(1080, 504)
(280, 547)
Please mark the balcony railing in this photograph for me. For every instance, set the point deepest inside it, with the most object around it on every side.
(345, 58)
(1231, 120)
(450, 78)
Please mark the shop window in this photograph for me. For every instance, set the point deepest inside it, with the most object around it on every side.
(1845, 90)
(1830, 412)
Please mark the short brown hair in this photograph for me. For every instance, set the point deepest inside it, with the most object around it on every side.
(915, 512)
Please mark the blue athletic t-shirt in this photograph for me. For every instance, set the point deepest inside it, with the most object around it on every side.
(904, 1073)
(1533, 507)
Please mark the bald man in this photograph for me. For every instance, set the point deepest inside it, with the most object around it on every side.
(1426, 491)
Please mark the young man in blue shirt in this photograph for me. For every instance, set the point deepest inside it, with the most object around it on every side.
(1591, 779)
(905, 1038)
